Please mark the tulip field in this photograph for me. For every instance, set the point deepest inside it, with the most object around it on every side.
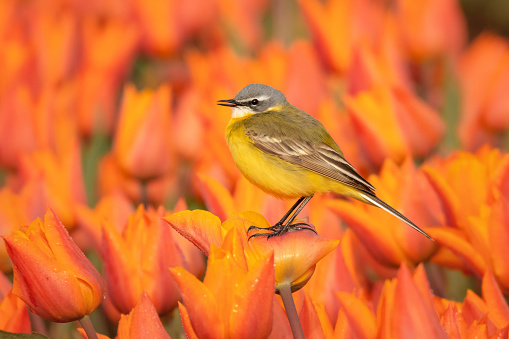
(123, 214)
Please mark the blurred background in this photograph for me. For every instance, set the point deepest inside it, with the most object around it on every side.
(105, 105)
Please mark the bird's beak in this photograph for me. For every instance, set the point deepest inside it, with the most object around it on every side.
(227, 103)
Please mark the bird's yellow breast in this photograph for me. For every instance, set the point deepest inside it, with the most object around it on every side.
(273, 175)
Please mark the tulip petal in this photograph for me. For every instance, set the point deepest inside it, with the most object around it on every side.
(217, 198)
(453, 240)
(251, 315)
(142, 322)
(379, 242)
(202, 228)
(498, 310)
(205, 316)
(311, 325)
(360, 317)
(186, 322)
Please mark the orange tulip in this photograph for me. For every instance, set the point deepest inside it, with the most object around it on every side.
(405, 309)
(393, 123)
(138, 260)
(234, 300)
(336, 26)
(295, 253)
(114, 208)
(142, 144)
(51, 274)
(423, 25)
(484, 79)
(475, 212)
(141, 322)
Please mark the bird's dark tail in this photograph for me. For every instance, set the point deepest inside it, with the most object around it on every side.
(374, 200)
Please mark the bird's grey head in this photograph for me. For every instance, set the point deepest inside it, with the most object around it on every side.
(254, 98)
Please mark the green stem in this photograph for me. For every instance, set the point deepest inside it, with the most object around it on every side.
(88, 327)
(285, 291)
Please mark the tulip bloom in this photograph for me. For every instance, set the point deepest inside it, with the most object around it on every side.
(295, 253)
(51, 274)
(484, 78)
(138, 259)
(234, 300)
(391, 122)
(475, 212)
(142, 144)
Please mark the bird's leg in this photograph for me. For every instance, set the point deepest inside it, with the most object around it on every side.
(279, 224)
(287, 227)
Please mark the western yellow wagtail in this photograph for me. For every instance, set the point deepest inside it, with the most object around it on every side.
(289, 154)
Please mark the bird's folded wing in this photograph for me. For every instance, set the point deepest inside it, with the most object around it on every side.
(319, 158)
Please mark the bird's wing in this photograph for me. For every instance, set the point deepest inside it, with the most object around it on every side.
(315, 156)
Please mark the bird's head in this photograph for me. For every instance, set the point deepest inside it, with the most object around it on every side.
(254, 98)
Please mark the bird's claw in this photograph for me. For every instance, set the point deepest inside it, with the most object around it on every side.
(278, 230)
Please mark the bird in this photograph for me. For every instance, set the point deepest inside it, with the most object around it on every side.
(289, 154)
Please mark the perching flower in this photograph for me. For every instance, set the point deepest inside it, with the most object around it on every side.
(51, 274)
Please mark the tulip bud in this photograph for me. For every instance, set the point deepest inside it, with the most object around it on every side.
(51, 274)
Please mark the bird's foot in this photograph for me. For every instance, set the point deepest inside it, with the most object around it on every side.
(279, 229)
(277, 226)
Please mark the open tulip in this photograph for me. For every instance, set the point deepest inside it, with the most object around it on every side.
(51, 274)
(137, 260)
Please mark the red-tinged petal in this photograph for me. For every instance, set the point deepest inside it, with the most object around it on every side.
(423, 127)
(121, 271)
(411, 315)
(474, 308)
(311, 325)
(453, 323)
(142, 322)
(217, 198)
(498, 311)
(361, 318)
(455, 242)
(445, 194)
(251, 315)
(204, 315)
(202, 228)
(337, 272)
(379, 242)
(186, 322)
(343, 328)
(421, 282)
(67, 252)
(14, 315)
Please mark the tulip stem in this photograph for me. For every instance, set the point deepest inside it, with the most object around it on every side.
(285, 291)
(88, 327)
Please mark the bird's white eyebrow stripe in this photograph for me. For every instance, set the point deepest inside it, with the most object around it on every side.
(260, 98)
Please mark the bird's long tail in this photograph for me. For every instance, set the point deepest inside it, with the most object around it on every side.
(381, 204)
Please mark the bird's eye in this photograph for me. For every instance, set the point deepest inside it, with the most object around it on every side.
(254, 102)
